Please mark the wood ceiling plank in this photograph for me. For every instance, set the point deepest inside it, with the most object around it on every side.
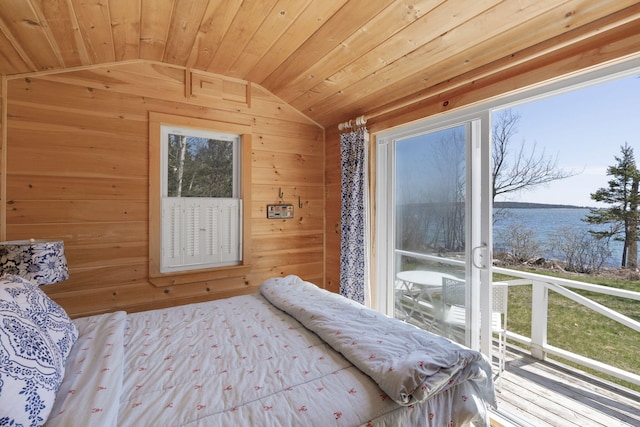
(155, 18)
(281, 17)
(425, 63)
(94, 20)
(440, 32)
(125, 25)
(340, 26)
(26, 32)
(393, 33)
(249, 18)
(411, 91)
(309, 21)
(64, 31)
(215, 23)
(185, 23)
(12, 61)
(322, 57)
(481, 60)
(611, 46)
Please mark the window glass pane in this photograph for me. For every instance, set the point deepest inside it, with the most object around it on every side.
(430, 231)
(199, 167)
(430, 192)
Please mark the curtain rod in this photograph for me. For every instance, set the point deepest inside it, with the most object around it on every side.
(359, 121)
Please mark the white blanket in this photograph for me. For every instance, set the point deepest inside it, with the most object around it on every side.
(409, 364)
(93, 375)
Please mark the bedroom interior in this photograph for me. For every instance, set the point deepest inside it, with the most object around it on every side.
(79, 80)
(86, 86)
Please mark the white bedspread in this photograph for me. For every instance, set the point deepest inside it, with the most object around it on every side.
(234, 362)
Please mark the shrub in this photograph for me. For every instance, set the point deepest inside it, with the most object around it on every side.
(518, 244)
(581, 251)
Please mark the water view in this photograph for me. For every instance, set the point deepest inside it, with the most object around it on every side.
(545, 224)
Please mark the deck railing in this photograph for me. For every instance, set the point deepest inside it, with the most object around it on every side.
(541, 285)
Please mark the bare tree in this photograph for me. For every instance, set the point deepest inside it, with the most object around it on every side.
(519, 167)
(449, 164)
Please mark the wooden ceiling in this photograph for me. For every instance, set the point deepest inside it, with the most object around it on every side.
(331, 59)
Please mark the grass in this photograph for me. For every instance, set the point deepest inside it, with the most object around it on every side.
(580, 330)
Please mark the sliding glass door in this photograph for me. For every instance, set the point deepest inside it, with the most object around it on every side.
(429, 225)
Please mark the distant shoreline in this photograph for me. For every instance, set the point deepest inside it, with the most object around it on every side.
(526, 205)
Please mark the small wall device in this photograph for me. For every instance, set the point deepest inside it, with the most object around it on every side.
(279, 211)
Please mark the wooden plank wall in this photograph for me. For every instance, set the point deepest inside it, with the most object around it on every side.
(77, 151)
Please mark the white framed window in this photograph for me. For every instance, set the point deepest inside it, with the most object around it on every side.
(201, 211)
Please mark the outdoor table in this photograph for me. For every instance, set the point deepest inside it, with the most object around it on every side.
(420, 286)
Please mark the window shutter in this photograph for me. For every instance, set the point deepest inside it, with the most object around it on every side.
(200, 232)
(192, 231)
(229, 230)
(210, 214)
(171, 234)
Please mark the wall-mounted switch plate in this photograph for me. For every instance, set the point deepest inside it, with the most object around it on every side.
(279, 211)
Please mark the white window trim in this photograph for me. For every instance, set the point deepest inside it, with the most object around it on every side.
(203, 275)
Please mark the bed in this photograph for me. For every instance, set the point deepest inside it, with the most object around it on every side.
(291, 355)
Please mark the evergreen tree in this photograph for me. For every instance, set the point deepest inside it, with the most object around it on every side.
(623, 197)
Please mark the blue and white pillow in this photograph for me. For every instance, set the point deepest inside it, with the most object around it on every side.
(36, 336)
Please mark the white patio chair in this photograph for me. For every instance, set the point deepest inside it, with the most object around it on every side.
(500, 291)
(453, 308)
(453, 298)
(403, 302)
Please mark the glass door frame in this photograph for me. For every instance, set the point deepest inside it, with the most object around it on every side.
(478, 219)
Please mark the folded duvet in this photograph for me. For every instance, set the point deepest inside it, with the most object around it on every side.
(408, 364)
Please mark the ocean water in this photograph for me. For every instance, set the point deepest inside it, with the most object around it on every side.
(547, 223)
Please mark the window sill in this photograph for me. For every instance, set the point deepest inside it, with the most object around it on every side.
(194, 276)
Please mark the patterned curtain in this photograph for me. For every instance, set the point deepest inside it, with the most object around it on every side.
(354, 276)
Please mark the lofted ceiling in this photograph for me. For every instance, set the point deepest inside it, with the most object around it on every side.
(330, 59)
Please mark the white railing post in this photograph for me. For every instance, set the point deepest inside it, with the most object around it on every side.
(539, 310)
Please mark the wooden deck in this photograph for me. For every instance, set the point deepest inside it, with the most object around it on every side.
(544, 394)
(550, 394)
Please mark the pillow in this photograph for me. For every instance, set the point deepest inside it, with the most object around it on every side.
(36, 336)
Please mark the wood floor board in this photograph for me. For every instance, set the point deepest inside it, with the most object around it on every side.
(549, 394)
(589, 392)
(547, 404)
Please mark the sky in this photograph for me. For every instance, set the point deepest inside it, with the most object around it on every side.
(584, 129)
